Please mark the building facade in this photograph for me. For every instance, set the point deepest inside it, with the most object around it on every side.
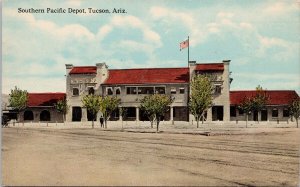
(276, 108)
(131, 85)
(40, 108)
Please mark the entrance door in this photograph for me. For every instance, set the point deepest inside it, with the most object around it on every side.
(264, 115)
(217, 113)
(76, 113)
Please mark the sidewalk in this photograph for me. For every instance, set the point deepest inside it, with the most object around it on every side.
(208, 128)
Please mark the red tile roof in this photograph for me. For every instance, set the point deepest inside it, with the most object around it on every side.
(210, 67)
(276, 97)
(83, 70)
(148, 76)
(44, 99)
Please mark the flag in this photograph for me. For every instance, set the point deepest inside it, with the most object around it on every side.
(184, 44)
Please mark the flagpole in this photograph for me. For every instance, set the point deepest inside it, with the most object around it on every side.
(188, 50)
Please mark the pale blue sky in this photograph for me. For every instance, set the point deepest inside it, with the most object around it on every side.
(261, 38)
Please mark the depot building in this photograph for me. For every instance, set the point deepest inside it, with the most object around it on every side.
(131, 85)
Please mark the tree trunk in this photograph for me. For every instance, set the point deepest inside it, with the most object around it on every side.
(105, 122)
(157, 124)
(64, 119)
(93, 123)
(151, 124)
(19, 117)
(297, 122)
(246, 120)
(197, 123)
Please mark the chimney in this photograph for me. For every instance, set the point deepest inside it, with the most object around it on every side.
(226, 62)
(192, 63)
(68, 68)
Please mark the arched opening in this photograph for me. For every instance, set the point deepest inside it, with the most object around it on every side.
(28, 115)
(45, 115)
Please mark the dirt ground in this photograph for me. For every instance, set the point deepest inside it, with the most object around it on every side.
(82, 156)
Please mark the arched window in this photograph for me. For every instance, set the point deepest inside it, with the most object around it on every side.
(45, 115)
(75, 91)
(91, 91)
(28, 115)
(109, 91)
(118, 91)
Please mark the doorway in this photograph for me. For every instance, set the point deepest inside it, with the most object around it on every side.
(264, 115)
(76, 113)
(217, 113)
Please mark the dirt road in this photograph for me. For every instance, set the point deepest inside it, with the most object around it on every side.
(40, 156)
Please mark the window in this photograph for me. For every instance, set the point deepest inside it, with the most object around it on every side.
(275, 112)
(118, 91)
(91, 91)
(145, 90)
(173, 90)
(109, 91)
(160, 90)
(131, 90)
(218, 89)
(286, 112)
(181, 90)
(75, 91)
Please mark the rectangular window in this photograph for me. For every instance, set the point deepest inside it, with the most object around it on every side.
(181, 90)
(160, 90)
(286, 112)
(131, 90)
(218, 89)
(173, 90)
(275, 112)
(109, 91)
(75, 91)
(145, 90)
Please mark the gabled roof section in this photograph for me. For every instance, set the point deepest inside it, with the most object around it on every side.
(84, 70)
(210, 67)
(44, 99)
(148, 76)
(276, 97)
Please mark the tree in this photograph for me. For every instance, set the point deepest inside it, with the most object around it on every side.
(148, 108)
(92, 104)
(123, 114)
(295, 109)
(18, 99)
(246, 106)
(107, 106)
(201, 97)
(62, 107)
(156, 105)
(260, 99)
